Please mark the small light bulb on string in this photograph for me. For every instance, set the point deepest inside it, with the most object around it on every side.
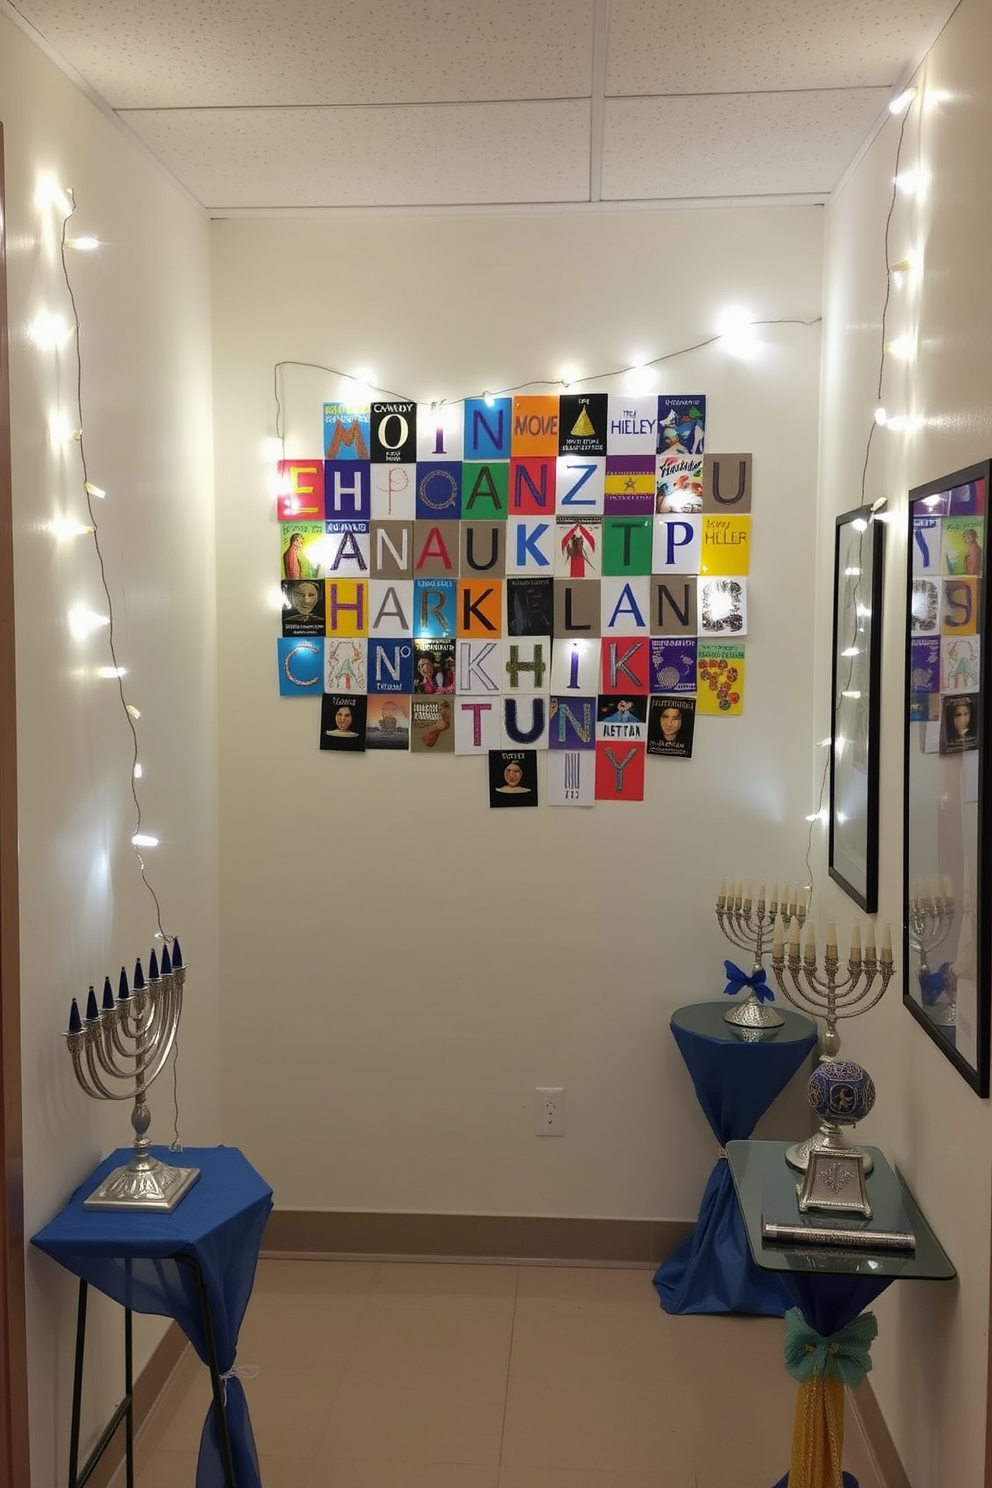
(358, 388)
(111, 671)
(640, 378)
(736, 331)
(132, 710)
(83, 622)
(912, 182)
(48, 332)
(860, 524)
(64, 527)
(901, 102)
(138, 771)
(142, 839)
(60, 431)
(881, 416)
(92, 490)
(903, 347)
(82, 245)
(488, 399)
(568, 377)
(49, 194)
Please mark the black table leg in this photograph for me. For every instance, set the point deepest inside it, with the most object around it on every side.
(124, 1412)
(77, 1387)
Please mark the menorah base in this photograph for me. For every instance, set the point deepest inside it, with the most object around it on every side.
(144, 1183)
(753, 1014)
(829, 1142)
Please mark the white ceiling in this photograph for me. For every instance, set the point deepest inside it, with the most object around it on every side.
(283, 106)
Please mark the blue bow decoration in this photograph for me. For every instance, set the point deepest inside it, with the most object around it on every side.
(933, 983)
(738, 980)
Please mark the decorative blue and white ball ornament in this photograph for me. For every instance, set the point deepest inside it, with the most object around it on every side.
(841, 1091)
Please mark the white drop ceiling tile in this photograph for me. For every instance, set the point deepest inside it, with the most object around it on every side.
(437, 155)
(734, 144)
(175, 53)
(734, 46)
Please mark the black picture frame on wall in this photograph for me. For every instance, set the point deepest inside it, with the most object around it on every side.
(947, 860)
(854, 706)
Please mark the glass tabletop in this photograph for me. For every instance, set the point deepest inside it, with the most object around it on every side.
(766, 1186)
(707, 1020)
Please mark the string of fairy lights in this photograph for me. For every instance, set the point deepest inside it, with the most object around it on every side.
(903, 272)
(737, 333)
(51, 331)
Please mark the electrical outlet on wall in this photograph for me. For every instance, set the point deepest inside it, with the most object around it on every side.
(549, 1111)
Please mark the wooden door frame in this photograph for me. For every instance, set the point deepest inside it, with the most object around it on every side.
(14, 1436)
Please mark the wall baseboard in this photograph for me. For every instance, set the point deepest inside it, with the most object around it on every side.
(148, 1389)
(891, 1473)
(472, 1237)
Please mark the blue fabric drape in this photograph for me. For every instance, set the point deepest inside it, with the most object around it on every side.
(132, 1258)
(735, 1083)
(829, 1303)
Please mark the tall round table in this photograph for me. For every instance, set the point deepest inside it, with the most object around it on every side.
(736, 1078)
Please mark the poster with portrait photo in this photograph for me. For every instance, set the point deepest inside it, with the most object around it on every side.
(342, 722)
(958, 722)
(301, 550)
(512, 777)
(303, 608)
(671, 723)
(433, 666)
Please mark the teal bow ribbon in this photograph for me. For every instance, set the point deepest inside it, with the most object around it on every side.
(738, 980)
(843, 1355)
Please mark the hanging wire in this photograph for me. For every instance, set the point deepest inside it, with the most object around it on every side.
(519, 387)
(176, 1144)
(867, 509)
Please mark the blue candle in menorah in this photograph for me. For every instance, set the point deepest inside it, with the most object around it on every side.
(117, 1051)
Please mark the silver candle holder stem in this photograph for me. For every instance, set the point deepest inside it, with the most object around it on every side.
(831, 995)
(747, 922)
(117, 1053)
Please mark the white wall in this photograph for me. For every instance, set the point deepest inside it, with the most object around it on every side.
(143, 306)
(403, 966)
(932, 1353)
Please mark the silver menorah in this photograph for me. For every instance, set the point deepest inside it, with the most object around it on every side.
(931, 915)
(747, 922)
(830, 997)
(129, 1040)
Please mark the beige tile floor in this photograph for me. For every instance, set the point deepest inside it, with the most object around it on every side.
(397, 1375)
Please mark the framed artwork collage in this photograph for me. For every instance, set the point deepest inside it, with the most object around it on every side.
(559, 579)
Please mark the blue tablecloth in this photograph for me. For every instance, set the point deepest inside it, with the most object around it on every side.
(735, 1083)
(829, 1303)
(131, 1257)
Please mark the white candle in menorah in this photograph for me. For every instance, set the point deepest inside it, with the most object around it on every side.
(126, 1043)
(831, 997)
(931, 915)
(747, 922)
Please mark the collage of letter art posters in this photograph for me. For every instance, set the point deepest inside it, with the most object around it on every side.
(947, 554)
(558, 584)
